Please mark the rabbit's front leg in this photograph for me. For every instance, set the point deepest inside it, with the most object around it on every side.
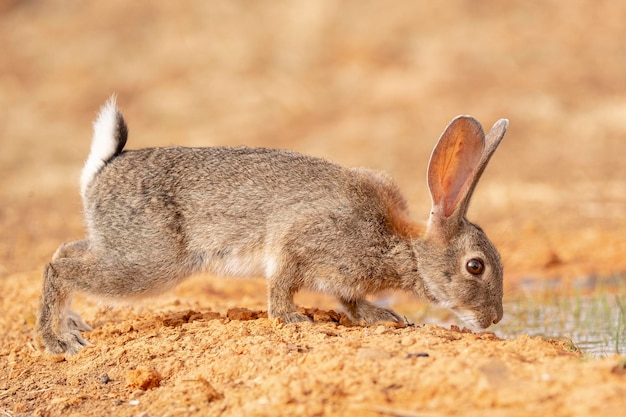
(361, 310)
(280, 299)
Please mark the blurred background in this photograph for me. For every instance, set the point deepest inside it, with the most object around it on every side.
(363, 83)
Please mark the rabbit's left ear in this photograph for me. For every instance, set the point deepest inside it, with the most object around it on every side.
(456, 164)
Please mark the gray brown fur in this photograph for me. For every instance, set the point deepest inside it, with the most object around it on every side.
(156, 216)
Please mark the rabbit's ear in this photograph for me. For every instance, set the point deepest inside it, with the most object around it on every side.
(457, 162)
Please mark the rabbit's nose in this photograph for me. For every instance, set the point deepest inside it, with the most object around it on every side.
(498, 315)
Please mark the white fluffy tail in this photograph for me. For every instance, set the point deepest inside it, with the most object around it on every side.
(109, 137)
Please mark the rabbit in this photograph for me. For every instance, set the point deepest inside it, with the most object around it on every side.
(155, 216)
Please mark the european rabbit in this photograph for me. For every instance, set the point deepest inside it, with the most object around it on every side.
(155, 216)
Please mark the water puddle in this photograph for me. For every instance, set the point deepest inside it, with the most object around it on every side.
(594, 324)
(589, 312)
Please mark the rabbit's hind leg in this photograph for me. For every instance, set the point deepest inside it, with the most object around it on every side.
(74, 249)
(54, 327)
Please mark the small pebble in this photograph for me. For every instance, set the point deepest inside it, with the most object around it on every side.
(417, 355)
(105, 379)
(242, 314)
(143, 378)
(136, 394)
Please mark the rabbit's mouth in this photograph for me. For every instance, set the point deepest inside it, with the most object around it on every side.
(476, 319)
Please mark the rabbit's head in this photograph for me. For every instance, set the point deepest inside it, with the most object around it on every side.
(460, 266)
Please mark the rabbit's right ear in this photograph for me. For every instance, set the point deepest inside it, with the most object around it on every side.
(458, 160)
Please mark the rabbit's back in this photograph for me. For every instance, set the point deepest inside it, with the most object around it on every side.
(230, 210)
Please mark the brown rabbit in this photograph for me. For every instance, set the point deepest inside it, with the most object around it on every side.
(155, 216)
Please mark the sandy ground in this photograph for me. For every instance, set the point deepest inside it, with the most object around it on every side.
(364, 84)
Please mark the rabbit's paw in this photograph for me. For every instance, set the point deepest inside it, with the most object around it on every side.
(68, 343)
(364, 312)
(75, 322)
(293, 317)
(376, 314)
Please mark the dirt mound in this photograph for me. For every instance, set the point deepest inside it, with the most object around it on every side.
(170, 357)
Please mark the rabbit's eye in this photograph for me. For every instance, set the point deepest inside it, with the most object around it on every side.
(475, 266)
